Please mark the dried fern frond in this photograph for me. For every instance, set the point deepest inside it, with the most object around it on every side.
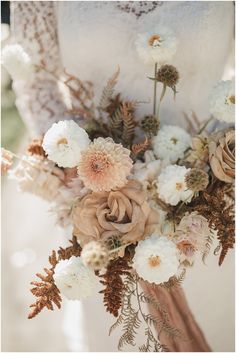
(114, 286)
(128, 122)
(209, 242)
(132, 316)
(212, 205)
(174, 281)
(108, 90)
(116, 121)
(140, 147)
(46, 291)
(73, 250)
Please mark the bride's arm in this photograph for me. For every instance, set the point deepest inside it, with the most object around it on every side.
(39, 101)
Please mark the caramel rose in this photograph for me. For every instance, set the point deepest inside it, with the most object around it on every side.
(122, 213)
(222, 155)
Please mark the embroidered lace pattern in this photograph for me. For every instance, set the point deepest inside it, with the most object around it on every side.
(33, 25)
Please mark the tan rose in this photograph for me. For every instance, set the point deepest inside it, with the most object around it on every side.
(124, 213)
(222, 155)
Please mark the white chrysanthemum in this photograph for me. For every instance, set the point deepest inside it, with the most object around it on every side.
(74, 280)
(171, 143)
(172, 187)
(157, 46)
(222, 101)
(156, 259)
(64, 142)
(17, 62)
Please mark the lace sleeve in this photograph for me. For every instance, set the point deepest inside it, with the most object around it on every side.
(39, 101)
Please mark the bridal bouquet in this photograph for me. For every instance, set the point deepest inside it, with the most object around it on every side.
(142, 198)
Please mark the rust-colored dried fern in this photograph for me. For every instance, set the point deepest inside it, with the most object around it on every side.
(46, 291)
(212, 205)
(140, 147)
(113, 282)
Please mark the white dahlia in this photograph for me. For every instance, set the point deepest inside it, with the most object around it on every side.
(171, 143)
(64, 142)
(157, 46)
(222, 101)
(74, 280)
(156, 259)
(17, 62)
(105, 165)
(172, 187)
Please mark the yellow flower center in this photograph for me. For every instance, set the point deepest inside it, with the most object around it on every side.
(62, 141)
(174, 140)
(232, 99)
(154, 261)
(154, 40)
(178, 186)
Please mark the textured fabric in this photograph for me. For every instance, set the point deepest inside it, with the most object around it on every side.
(34, 27)
(181, 317)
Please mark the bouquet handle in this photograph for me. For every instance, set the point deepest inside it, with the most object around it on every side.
(180, 317)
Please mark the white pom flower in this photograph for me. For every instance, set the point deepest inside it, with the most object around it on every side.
(17, 62)
(64, 142)
(222, 101)
(171, 143)
(157, 46)
(172, 187)
(74, 280)
(156, 259)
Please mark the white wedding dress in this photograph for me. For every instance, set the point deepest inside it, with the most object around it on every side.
(90, 39)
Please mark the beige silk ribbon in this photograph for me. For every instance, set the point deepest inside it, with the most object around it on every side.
(180, 317)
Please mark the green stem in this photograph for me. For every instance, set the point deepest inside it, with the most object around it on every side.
(205, 125)
(155, 90)
(161, 97)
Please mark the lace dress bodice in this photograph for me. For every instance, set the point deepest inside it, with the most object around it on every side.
(90, 39)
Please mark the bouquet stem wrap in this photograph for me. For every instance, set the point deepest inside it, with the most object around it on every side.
(180, 316)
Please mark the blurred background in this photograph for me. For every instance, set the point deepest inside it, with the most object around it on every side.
(29, 234)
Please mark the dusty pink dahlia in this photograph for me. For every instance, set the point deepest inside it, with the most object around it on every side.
(105, 165)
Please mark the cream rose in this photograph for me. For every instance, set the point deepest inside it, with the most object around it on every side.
(222, 155)
(122, 213)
